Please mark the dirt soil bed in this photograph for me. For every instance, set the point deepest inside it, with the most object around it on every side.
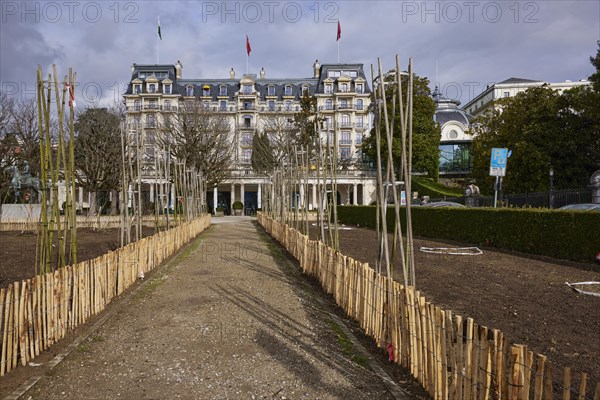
(526, 298)
(18, 250)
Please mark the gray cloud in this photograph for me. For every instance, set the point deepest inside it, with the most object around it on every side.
(474, 43)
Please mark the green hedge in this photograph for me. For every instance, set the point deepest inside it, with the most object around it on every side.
(558, 234)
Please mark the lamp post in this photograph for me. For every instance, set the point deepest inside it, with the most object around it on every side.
(551, 172)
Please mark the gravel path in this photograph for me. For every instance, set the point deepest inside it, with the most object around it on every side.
(227, 319)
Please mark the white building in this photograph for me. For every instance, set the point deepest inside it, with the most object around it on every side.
(250, 104)
(509, 88)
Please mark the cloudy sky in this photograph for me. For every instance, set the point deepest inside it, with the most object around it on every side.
(473, 43)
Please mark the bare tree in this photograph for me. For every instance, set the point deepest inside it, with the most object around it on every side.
(98, 151)
(200, 138)
(6, 106)
(24, 125)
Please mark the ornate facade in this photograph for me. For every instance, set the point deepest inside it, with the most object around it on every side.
(252, 104)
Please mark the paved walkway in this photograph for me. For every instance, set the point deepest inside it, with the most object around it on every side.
(226, 319)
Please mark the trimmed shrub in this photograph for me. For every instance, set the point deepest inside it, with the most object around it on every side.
(559, 234)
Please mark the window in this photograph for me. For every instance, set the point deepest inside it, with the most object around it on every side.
(136, 121)
(343, 103)
(304, 90)
(359, 121)
(247, 121)
(288, 90)
(189, 91)
(152, 104)
(152, 88)
(334, 74)
(150, 121)
(206, 90)
(328, 88)
(205, 105)
(344, 87)
(271, 90)
(223, 91)
(359, 104)
(167, 89)
(247, 105)
(345, 139)
(246, 89)
(345, 120)
(506, 94)
(359, 88)
(167, 105)
(246, 155)
(137, 105)
(271, 105)
(329, 122)
(137, 89)
(455, 157)
(328, 104)
(359, 138)
(288, 105)
(345, 153)
(246, 139)
(223, 105)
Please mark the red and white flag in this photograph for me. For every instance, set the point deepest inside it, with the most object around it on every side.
(339, 31)
(71, 95)
(248, 48)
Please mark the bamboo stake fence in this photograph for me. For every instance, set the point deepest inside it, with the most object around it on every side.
(452, 358)
(37, 312)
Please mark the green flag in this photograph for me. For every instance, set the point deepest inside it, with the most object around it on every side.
(159, 35)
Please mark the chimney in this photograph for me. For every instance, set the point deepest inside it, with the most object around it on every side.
(232, 73)
(262, 73)
(317, 68)
(178, 69)
(132, 68)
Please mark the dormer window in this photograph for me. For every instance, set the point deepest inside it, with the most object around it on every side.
(205, 90)
(246, 89)
(328, 88)
(223, 91)
(167, 89)
(271, 90)
(359, 88)
(304, 90)
(137, 89)
(288, 90)
(152, 88)
(344, 87)
(189, 91)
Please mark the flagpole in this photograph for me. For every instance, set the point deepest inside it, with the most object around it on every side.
(338, 43)
(157, 39)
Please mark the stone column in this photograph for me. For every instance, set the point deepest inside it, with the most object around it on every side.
(355, 194)
(364, 193)
(259, 196)
(301, 204)
(215, 199)
(314, 196)
(242, 192)
(232, 196)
